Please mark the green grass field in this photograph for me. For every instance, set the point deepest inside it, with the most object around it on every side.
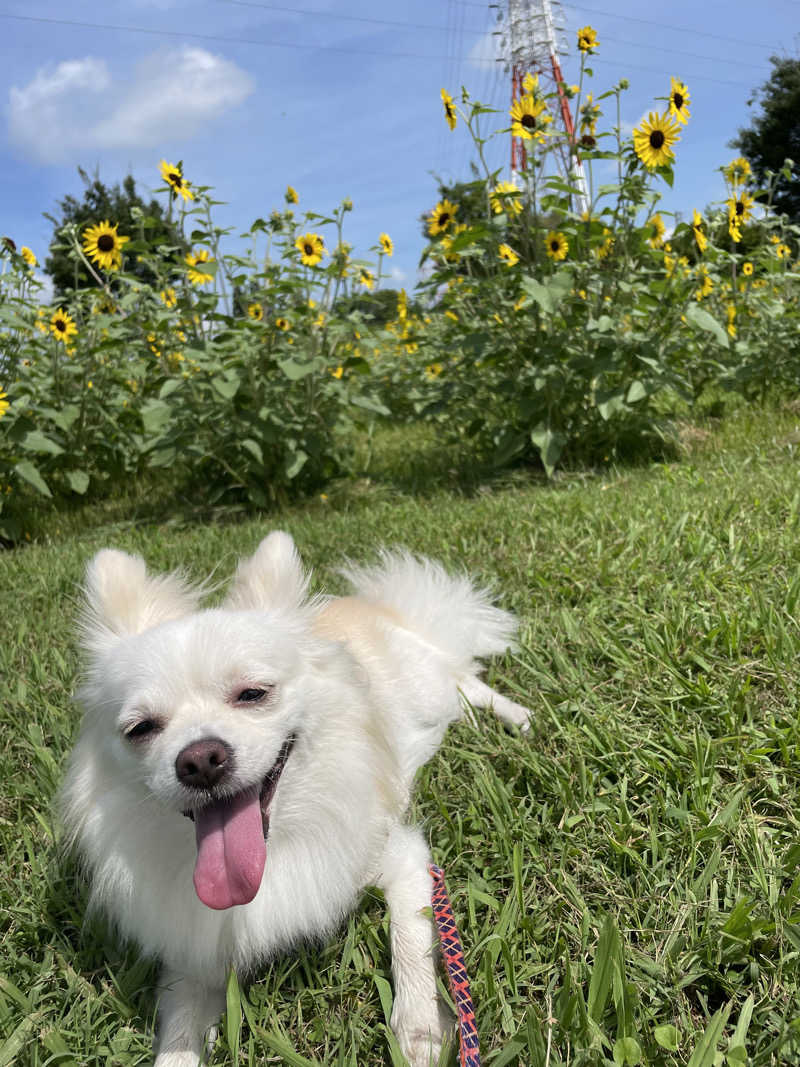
(625, 876)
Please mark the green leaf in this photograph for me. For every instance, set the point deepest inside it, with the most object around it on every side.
(627, 1051)
(550, 444)
(285, 1051)
(370, 404)
(36, 441)
(228, 386)
(705, 1051)
(611, 404)
(737, 1053)
(63, 418)
(169, 387)
(254, 448)
(606, 958)
(636, 391)
(26, 470)
(667, 1037)
(706, 321)
(155, 416)
(538, 292)
(78, 481)
(294, 371)
(296, 464)
(233, 1015)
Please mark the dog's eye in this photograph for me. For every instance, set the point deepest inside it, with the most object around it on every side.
(145, 728)
(251, 696)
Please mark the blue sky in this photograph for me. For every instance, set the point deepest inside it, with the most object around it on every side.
(337, 97)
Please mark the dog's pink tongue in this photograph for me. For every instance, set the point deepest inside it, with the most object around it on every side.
(231, 851)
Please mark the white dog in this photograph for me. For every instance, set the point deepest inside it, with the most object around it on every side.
(242, 772)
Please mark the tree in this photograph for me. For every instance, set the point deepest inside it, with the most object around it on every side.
(774, 135)
(99, 203)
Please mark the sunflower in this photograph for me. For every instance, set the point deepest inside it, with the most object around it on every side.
(604, 249)
(740, 208)
(747, 269)
(168, 297)
(705, 285)
(256, 312)
(557, 245)
(737, 171)
(28, 256)
(782, 251)
(173, 176)
(62, 326)
(282, 324)
(508, 255)
(440, 218)
(366, 278)
(311, 248)
(653, 140)
(103, 245)
(386, 243)
(587, 39)
(506, 197)
(290, 195)
(529, 118)
(5, 404)
(679, 101)
(731, 313)
(699, 236)
(194, 261)
(657, 231)
(449, 109)
(530, 83)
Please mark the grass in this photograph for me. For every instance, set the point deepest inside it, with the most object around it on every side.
(625, 877)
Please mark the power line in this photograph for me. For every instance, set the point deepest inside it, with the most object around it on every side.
(337, 15)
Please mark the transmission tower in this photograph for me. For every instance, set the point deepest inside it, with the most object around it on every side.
(532, 39)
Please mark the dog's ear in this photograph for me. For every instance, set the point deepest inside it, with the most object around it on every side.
(273, 577)
(121, 598)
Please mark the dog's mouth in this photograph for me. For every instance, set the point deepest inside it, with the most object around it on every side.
(231, 835)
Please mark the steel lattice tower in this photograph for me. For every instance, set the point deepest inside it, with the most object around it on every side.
(532, 39)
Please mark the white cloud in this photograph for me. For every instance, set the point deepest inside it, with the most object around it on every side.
(77, 105)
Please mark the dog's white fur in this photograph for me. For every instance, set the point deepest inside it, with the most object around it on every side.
(368, 683)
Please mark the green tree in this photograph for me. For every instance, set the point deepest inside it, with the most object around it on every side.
(120, 204)
(774, 134)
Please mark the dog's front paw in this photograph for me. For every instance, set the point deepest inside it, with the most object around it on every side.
(421, 1039)
(181, 1058)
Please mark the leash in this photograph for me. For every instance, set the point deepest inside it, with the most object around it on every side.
(453, 955)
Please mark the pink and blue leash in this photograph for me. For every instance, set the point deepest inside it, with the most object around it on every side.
(453, 956)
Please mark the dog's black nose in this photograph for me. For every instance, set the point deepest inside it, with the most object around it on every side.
(203, 764)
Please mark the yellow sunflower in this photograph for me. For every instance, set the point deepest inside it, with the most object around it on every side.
(679, 101)
(699, 235)
(168, 297)
(103, 245)
(256, 312)
(731, 313)
(28, 256)
(657, 230)
(747, 269)
(556, 244)
(587, 39)
(653, 140)
(366, 278)
(62, 326)
(311, 248)
(449, 109)
(440, 218)
(737, 171)
(705, 284)
(5, 404)
(530, 118)
(387, 245)
(740, 209)
(173, 176)
(282, 324)
(506, 197)
(291, 195)
(194, 262)
(508, 255)
(530, 83)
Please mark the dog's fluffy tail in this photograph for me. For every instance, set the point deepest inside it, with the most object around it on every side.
(447, 610)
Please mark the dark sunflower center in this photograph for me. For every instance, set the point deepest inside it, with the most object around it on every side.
(528, 121)
(677, 99)
(175, 179)
(739, 207)
(555, 245)
(657, 139)
(444, 218)
(60, 325)
(308, 249)
(106, 242)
